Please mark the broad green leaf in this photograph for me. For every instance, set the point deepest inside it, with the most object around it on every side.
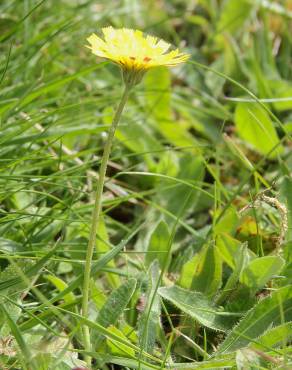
(168, 164)
(117, 348)
(261, 270)
(129, 331)
(196, 305)
(157, 96)
(22, 200)
(207, 275)
(262, 64)
(228, 223)
(98, 295)
(229, 249)
(232, 281)
(282, 94)
(10, 246)
(274, 337)
(61, 285)
(214, 82)
(115, 305)
(187, 272)
(158, 245)
(265, 313)
(175, 196)
(233, 14)
(256, 128)
(149, 320)
(157, 101)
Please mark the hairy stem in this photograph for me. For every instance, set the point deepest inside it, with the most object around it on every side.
(96, 216)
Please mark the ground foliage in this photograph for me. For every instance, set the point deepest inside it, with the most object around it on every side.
(192, 268)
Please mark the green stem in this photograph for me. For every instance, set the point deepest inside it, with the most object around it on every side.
(96, 216)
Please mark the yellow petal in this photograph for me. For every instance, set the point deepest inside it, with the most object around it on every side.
(134, 51)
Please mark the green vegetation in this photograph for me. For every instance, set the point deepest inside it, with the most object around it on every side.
(193, 266)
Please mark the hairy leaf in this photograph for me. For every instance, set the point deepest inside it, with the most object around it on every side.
(265, 313)
(196, 305)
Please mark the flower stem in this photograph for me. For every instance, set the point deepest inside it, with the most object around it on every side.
(96, 216)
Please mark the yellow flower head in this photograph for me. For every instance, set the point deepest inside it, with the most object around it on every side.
(134, 52)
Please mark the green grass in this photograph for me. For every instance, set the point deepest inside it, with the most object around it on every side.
(189, 271)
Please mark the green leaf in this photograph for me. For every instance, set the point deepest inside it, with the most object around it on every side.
(61, 285)
(18, 336)
(214, 82)
(149, 320)
(229, 248)
(256, 128)
(281, 92)
(227, 223)
(31, 271)
(98, 295)
(117, 348)
(158, 95)
(261, 270)
(174, 196)
(241, 258)
(233, 14)
(115, 305)
(286, 187)
(157, 101)
(238, 152)
(128, 363)
(211, 364)
(10, 246)
(274, 337)
(158, 245)
(96, 266)
(265, 313)
(135, 364)
(106, 333)
(196, 305)
(187, 272)
(207, 275)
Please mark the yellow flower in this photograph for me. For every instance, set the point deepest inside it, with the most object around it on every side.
(134, 52)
